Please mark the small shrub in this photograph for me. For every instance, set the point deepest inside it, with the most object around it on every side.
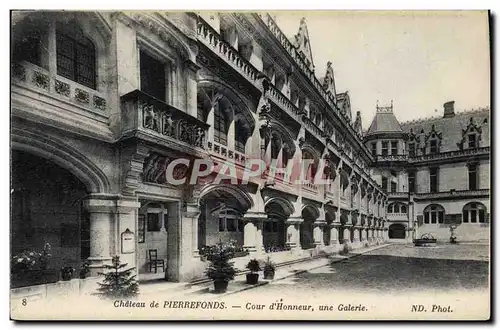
(254, 266)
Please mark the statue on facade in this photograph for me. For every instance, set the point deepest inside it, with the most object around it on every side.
(200, 137)
(168, 124)
(150, 116)
(328, 81)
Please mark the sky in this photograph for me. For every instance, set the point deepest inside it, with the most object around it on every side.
(420, 60)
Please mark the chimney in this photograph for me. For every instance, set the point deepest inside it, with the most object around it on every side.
(449, 109)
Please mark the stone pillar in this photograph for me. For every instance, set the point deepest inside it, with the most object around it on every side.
(191, 88)
(318, 233)
(249, 236)
(346, 234)
(362, 234)
(293, 233)
(109, 218)
(334, 236)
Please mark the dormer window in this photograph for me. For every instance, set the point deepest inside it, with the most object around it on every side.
(434, 147)
(472, 141)
(411, 149)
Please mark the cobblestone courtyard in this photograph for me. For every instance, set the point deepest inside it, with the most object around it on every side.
(397, 268)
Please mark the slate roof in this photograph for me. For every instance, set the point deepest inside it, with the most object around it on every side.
(451, 128)
(384, 122)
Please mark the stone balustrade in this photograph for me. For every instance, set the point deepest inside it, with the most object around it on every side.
(143, 113)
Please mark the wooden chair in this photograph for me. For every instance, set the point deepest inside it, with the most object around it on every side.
(154, 262)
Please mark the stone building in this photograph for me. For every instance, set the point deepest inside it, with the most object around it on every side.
(103, 102)
(436, 172)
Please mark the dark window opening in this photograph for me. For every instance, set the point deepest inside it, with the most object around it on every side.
(394, 187)
(411, 181)
(385, 148)
(472, 141)
(472, 177)
(374, 148)
(27, 47)
(220, 126)
(394, 147)
(76, 59)
(153, 79)
(434, 147)
(154, 222)
(433, 172)
(384, 184)
(411, 148)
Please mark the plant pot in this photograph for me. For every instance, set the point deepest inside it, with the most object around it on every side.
(220, 286)
(268, 274)
(66, 275)
(252, 278)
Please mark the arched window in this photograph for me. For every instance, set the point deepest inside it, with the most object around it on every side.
(434, 213)
(403, 208)
(241, 137)
(75, 55)
(473, 213)
(275, 146)
(220, 126)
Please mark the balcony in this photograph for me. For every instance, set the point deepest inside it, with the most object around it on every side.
(155, 121)
(397, 217)
(392, 158)
(466, 153)
(292, 51)
(223, 151)
(454, 194)
(397, 194)
(40, 80)
(211, 38)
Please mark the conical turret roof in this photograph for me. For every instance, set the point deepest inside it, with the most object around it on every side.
(384, 121)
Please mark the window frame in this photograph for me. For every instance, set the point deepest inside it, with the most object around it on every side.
(73, 58)
(434, 173)
(385, 148)
(394, 147)
(221, 125)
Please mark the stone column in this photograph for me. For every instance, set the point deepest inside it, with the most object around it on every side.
(334, 235)
(109, 218)
(293, 233)
(191, 69)
(249, 236)
(318, 233)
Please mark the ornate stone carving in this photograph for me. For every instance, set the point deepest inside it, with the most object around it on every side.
(133, 168)
(62, 88)
(81, 96)
(41, 80)
(99, 103)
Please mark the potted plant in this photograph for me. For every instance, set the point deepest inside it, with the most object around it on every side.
(254, 266)
(221, 270)
(31, 268)
(84, 270)
(67, 273)
(269, 269)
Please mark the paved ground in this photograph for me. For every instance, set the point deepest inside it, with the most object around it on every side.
(396, 268)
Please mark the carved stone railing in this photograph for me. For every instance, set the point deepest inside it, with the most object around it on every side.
(397, 194)
(397, 216)
(299, 60)
(392, 158)
(225, 152)
(33, 76)
(310, 187)
(146, 114)
(450, 154)
(213, 40)
(284, 102)
(454, 193)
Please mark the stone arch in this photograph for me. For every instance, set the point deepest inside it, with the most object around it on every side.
(311, 210)
(397, 207)
(63, 155)
(285, 205)
(397, 231)
(169, 33)
(241, 195)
